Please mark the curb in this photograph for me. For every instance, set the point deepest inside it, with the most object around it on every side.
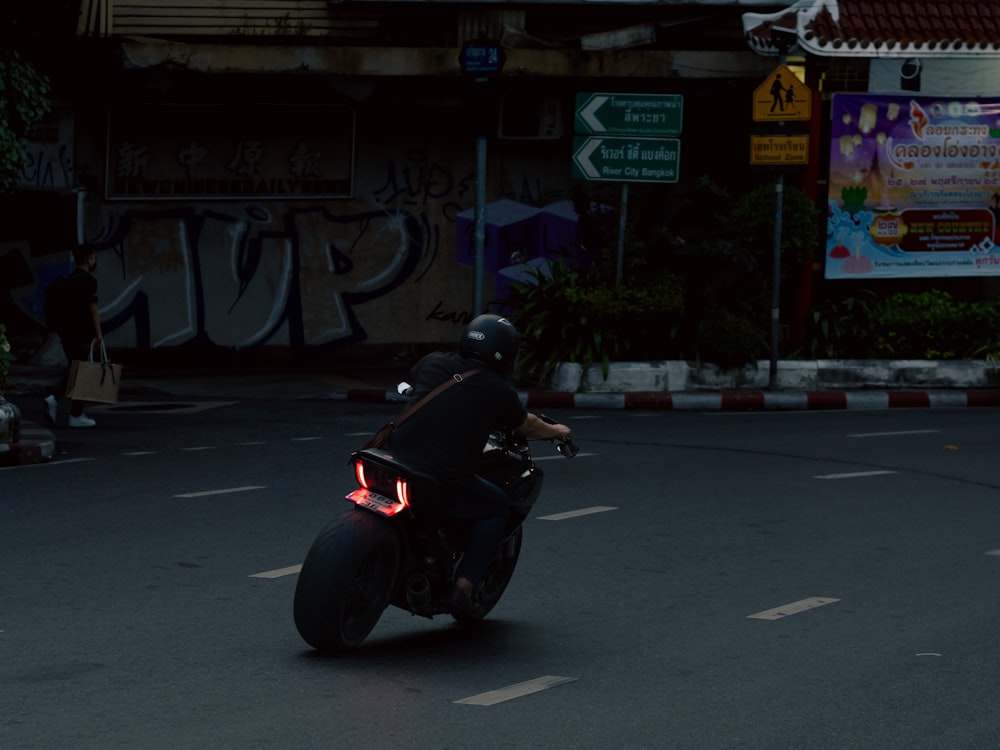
(729, 400)
(37, 445)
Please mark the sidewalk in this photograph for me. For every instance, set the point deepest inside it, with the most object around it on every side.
(649, 386)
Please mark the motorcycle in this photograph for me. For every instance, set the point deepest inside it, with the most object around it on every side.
(393, 546)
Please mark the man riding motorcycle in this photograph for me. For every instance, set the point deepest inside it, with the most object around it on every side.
(445, 438)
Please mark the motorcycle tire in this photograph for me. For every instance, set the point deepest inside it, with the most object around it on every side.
(498, 575)
(346, 581)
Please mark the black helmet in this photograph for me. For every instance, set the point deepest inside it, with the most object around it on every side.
(493, 341)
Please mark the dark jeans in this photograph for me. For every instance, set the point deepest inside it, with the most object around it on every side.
(72, 349)
(485, 505)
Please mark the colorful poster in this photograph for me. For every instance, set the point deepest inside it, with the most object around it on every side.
(914, 187)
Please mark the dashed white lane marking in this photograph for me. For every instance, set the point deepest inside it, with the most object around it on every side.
(587, 416)
(139, 453)
(358, 434)
(521, 689)
(577, 513)
(253, 442)
(994, 552)
(854, 474)
(794, 608)
(47, 463)
(304, 439)
(278, 572)
(199, 448)
(892, 434)
(928, 653)
(226, 491)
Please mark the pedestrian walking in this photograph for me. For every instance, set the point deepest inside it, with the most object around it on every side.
(78, 326)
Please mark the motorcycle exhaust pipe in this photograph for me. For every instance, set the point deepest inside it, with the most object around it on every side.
(418, 592)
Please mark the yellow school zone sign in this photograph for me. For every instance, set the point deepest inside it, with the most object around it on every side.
(782, 97)
(779, 149)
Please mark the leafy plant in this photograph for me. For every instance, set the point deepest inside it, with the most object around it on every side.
(730, 340)
(922, 325)
(570, 314)
(753, 221)
(6, 359)
(840, 328)
(926, 324)
(24, 101)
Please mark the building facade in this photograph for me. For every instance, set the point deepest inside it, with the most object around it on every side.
(314, 175)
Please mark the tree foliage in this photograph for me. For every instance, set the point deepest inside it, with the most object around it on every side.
(24, 101)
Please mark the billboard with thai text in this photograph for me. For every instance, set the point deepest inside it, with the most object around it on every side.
(914, 187)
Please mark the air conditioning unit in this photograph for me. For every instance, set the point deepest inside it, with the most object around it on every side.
(530, 118)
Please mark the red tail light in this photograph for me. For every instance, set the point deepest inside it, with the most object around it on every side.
(359, 473)
(377, 484)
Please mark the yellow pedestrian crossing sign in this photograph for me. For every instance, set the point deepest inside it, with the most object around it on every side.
(782, 97)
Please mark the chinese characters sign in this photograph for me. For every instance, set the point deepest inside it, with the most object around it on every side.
(230, 152)
(914, 187)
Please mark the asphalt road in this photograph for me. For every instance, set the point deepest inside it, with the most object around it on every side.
(721, 580)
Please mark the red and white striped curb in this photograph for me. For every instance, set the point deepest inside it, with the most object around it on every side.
(733, 400)
(768, 400)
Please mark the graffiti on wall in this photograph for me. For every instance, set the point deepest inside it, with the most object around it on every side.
(185, 276)
(300, 274)
(46, 166)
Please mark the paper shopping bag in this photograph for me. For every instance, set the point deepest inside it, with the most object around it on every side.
(94, 381)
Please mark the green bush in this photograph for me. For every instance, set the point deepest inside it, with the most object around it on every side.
(922, 325)
(753, 223)
(840, 329)
(932, 325)
(731, 340)
(571, 314)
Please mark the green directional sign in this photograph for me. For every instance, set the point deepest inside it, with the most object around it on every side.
(629, 114)
(614, 159)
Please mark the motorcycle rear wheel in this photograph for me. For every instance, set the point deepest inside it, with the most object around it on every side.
(498, 575)
(346, 581)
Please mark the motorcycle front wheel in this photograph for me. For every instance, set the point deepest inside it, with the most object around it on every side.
(498, 575)
(346, 580)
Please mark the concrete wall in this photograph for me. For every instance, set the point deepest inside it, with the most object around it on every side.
(390, 264)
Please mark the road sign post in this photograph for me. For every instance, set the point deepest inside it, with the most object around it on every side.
(781, 98)
(482, 59)
(622, 138)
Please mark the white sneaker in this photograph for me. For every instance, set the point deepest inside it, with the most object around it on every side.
(50, 408)
(82, 421)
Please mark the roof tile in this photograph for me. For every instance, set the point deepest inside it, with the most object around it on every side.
(871, 28)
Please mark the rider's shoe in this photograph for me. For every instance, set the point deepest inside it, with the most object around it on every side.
(460, 602)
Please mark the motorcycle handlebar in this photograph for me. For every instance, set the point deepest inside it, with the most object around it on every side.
(566, 446)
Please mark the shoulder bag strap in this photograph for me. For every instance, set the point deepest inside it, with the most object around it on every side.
(456, 378)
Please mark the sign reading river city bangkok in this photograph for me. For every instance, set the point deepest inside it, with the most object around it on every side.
(914, 187)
